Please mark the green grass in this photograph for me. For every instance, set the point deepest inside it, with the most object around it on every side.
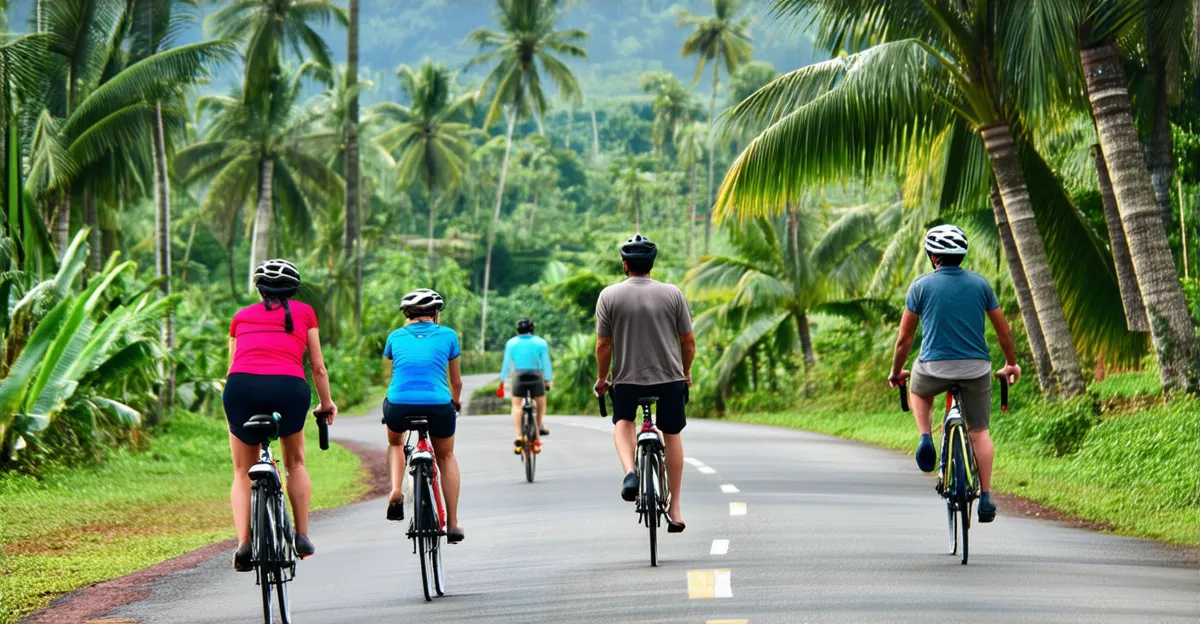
(1128, 385)
(73, 527)
(487, 390)
(1135, 472)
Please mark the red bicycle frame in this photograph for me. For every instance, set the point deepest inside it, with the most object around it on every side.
(424, 445)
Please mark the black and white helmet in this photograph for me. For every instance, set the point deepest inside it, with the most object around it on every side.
(946, 240)
(277, 273)
(422, 299)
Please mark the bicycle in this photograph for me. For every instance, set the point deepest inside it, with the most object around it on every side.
(272, 545)
(958, 474)
(650, 463)
(428, 524)
(529, 431)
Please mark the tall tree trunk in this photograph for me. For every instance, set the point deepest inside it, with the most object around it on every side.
(162, 246)
(1166, 307)
(1159, 156)
(431, 197)
(487, 266)
(187, 252)
(595, 134)
(92, 220)
(1131, 296)
(352, 226)
(806, 346)
(712, 112)
(1033, 327)
(1010, 180)
(260, 241)
(234, 291)
(62, 223)
(692, 219)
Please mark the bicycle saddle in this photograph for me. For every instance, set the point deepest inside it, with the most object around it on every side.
(266, 425)
(651, 400)
(418, 421)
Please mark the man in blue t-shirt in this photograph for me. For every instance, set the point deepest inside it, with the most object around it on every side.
(422, 361)
(951, 304)
(527, 370)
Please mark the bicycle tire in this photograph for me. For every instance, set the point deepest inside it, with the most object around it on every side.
(421, 527)
(439, 578)
(961, 491)
(529, 426)
(649, 503)
(268, 609)
(285, 607)
(952, 525)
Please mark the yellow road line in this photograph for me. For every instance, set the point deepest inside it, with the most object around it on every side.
(703, 584)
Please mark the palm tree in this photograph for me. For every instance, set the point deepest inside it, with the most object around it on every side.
(273, 158)
(431, 141)
(23, 62)
(672, 104)
(937, 68)
(632, 186)
(526, 46)
(689, 151)
(718, 39)
(776, 278)
(539, 158)
(352, 221)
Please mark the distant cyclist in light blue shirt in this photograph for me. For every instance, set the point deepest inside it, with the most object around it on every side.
(527, 370)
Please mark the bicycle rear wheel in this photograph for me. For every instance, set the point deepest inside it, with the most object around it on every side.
(435, 549)
(530, 431)
(952, 525)
(961, 490)
(422, 526)
(649, 501)
(264, 583)
(285, 607)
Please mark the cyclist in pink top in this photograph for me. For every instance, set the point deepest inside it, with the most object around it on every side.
(267, 345)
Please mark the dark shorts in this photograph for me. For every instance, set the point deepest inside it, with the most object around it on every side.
(247, 395)
(441, 417)
(669, 413)
(976, 395)
(528, 381)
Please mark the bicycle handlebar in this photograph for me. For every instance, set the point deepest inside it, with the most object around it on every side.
(1003, 394)
(603, 406)
(903, 397)
(323, 428)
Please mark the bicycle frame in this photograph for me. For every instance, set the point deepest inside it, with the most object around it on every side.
(954, 426)
(422, 455)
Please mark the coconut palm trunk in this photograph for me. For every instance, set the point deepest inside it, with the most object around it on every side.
(712, 112)
(62, 223)
(1166, 308)
(92, 219)
(162, 246)
(431, 196)
(262, 217)
(692, 219)
(1010, 180)
(806, 347)
(1131, 296)
(1033, 328)
(351, 229)
(487, 265)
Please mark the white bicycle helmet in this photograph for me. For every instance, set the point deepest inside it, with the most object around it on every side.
(277, 273)
(422, 299)
(946, 240)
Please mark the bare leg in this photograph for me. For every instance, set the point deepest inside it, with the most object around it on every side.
(623, 438)
(443, 449)
(540, 402)
(674, 444)
(922, 408)
(299, 486)
(981, 442)
(244, 456)
(516, 414)
(395, 456)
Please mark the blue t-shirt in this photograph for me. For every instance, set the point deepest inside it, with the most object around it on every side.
(420, 354)
(526, 352)
(952, 303)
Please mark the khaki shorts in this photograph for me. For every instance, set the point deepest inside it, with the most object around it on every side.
(976, 396)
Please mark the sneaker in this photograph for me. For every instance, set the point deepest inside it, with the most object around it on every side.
(987, 509)
(304, 548)
(537, 447)
(926, 454)
(543, 431)
(241, 559)
(629, 487)
(518, 446)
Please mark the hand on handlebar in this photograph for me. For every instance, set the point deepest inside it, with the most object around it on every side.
(1011, 373)
(895, 380)
(329, 411)
(601, 387)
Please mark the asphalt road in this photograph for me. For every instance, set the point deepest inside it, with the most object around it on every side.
(817, 530)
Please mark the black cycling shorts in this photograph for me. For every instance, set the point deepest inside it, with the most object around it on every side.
(528, 381)
(669, 412)
(248, 395)
(441, 417)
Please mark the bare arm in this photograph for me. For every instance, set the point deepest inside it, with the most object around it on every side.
(687, 343)
(603, 362)
(232, 349)
(456, 383)
(1004, 335)
(320, 374)
(904, 341)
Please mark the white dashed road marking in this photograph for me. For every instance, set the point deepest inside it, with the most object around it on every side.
(729, 488)
(693, 461)
(706, 470)
(719, 547)
(737, 509)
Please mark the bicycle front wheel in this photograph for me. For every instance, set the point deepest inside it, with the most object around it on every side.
(529, 425)
(649, 502)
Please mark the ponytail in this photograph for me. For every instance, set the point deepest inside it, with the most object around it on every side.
(279, 296)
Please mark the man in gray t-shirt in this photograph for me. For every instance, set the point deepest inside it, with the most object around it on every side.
(951, 304)
(644, 330)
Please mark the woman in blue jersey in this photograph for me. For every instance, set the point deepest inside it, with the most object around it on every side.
(422, 360)
(527, 370)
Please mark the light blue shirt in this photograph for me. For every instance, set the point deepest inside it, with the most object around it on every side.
(420, 354)
(526, 352)
(952, 303)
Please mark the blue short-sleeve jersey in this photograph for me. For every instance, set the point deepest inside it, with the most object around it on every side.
(953, 304)
(420, 354)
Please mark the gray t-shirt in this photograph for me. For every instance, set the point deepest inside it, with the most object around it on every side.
(953, 304)
(645, 319)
